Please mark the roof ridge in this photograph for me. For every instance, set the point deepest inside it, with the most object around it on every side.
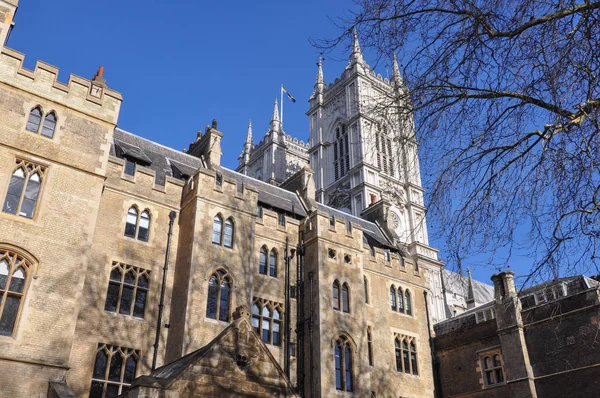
(157, 144)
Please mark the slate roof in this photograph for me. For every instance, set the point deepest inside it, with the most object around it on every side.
(574, 284)
(154, 156)
(457, 283)
(371, 230)
(270, 194)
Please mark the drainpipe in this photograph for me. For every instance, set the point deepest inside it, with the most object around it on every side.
(310, 334)
(172, 216)
(288, 308)
(300, 317)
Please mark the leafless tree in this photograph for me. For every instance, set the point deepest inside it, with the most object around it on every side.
(506, 100)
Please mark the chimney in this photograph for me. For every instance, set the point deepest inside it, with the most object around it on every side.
(208, 146)
(303, 182)
(504, 285)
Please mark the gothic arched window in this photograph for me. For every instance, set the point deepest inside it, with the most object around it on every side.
(24, 189)
(273, 263)
(15, 274)
(408, 303)
(393, 297)
(343, 364)
(345, 298)
(217, 229)
(336, 295)
(262, 262)
(366, 288)
(137, 224)
(341, 153)
(228, 234)
(266, 320)
(219, 295)
(400, 300)
(34, 120)
(115, 369)
(49, 125)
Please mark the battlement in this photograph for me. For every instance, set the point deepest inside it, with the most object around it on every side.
(90, 97)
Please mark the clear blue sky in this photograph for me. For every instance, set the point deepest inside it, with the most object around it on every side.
(179, 64)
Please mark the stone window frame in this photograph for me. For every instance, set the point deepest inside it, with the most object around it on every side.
(273, 321)
(28, 170)
(139, 289)
(45, 126)
(221, 276)
(344, 348)
(270, 263)
(400, 300)
(101, 376)
(13, 260)
(405, 348)
(492, 372)
(370, 355)
(220, 234)
(136, 230)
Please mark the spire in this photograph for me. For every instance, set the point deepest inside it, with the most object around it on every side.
(275, 117)
(249, 134)
(356, 55)
(470, 296)
(275, 121)
(396, 77)
(245, 155)
(320, 82)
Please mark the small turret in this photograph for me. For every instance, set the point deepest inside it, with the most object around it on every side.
(470, 296)
(356, 56)
(246, 152)
(275, 121)
(396, 77)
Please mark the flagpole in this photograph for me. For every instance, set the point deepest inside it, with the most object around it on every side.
(281, 92)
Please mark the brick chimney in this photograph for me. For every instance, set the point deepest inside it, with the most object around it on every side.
(208, 146)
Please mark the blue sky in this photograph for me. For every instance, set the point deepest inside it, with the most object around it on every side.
(179, 64)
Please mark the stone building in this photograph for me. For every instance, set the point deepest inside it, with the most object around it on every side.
(120, 258)
(541, 342)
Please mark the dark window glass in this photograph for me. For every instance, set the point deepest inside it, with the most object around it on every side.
(413, 359)
(393, 298)
(35, 118)
(224, 305)
(400, 301)
(398, 356)
(370, 347)
(129, 167)
(131, 223)
(127, 290)
(213, 292)
(281, 219)
(49, 125)
(122, 368)
(348, 367)
(217, 228)
(366, 288)
(276, 333)
(405, 357)
(336, 295)
(259, 211)
(14, 272)
(273, 263)
(23, 190)
(338, 366)
(408, 303)
(144, 226)
(262, 264)
(228, 238)
(9, 315)
(345, 298)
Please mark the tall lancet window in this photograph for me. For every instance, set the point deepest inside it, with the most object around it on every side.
(341, 153)
(385, 157)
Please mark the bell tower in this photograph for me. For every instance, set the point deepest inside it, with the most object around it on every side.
(363, 147)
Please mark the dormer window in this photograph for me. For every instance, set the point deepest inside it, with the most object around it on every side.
(129, 167)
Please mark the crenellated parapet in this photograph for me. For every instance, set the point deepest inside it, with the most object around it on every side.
(91, 97)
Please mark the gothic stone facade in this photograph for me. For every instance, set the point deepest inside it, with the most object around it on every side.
(87, 209)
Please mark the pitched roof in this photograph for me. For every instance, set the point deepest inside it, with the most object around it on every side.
(458, 284)
(371, 230)
(156, 157)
